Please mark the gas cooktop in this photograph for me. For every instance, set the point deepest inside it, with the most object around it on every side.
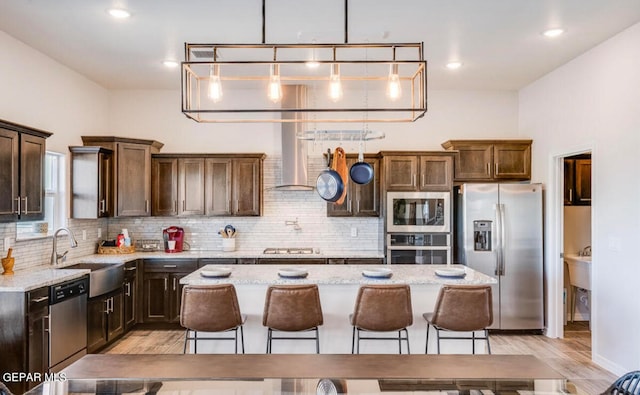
(288, 251)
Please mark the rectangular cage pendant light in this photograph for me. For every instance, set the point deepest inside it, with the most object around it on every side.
(345, 83)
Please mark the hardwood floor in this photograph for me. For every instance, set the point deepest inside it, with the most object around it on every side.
(570, 356)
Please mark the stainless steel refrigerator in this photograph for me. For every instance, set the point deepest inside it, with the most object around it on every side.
(499, 231)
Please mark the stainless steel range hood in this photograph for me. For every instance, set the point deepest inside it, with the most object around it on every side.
(294, 150)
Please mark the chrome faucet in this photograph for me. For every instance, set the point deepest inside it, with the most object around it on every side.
(586, 251)
(55, 257)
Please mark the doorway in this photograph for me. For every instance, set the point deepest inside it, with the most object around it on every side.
(576, 244)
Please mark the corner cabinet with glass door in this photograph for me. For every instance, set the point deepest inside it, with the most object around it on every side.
(91, 182)
(22, 167)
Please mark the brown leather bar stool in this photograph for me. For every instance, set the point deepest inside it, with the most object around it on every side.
(211, 308)
(382, 308)
(462, 308)
(292, 308)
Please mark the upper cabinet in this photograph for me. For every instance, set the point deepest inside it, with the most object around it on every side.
(362, 200)
(22, 156)
(577, 181)
(132, 172)
(491, 160)
(417, 171)
(207, 184)
(91, 182)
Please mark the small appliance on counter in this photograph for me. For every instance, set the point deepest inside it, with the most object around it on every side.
(173, 237)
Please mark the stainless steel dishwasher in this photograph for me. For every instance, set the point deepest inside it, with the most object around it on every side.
(67, 323)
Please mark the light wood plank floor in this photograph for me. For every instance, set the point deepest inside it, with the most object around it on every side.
(570, 356)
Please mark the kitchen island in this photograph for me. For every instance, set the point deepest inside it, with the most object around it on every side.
(338, 285)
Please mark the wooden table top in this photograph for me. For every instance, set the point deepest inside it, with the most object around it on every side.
(346, 366)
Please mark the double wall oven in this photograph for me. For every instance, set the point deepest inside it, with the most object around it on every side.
(418, 227)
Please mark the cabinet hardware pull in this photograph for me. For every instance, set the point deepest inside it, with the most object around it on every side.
(358, 206)
(166, 284)
(106, 306)
(128, 287)
(18, 205)
(349, 205)
(413, 180)
(26, 205)
(174, 283)
(146, 206)
(495, 171)
(571, 194)
(237, 207)
(184, 205)
(42, 299)
(175, 205)
(103, 206)
(488, 170)
(129, 269)
(170, 266)
(422, 180)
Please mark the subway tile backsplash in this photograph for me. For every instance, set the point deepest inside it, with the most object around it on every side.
(254, 233)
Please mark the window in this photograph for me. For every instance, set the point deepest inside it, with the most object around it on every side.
(54, 201)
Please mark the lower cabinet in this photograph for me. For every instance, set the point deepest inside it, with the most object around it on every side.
(162, 292)
(105, 320)
(130, 295)
(355, 261)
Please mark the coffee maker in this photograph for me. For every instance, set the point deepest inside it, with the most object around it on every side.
(175, 235)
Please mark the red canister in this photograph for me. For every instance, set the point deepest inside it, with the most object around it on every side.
(120, 240)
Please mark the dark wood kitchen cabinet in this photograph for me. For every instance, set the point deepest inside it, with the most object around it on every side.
(162, 292)
(417, 171)
(362, 200)
(577, 180)
(22, 156)
(233, 185)
(130, 295)
(132, 172)
(91, 182)
(491, 160)
(105, 320)
(25, 341)
(178, 185)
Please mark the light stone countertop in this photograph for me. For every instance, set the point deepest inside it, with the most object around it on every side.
(338, 274)
(45, 275)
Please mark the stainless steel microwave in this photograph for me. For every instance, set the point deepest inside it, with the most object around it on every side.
(418, 211)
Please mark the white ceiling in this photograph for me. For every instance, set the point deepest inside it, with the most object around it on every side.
(499, 41)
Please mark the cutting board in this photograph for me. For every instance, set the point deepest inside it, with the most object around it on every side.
(340, 163)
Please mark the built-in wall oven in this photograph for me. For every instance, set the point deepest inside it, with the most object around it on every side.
(418, 229)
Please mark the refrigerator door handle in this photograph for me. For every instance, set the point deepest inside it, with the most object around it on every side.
(502, 240)
(498, 240)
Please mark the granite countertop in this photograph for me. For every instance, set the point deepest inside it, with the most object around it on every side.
(45, 275)
(337, 274)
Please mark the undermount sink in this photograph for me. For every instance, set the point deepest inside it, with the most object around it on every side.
(103, 278)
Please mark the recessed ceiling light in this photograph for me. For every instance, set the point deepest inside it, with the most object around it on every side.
(553, 32)
(454, 65)
(170, 63)
(119, 13)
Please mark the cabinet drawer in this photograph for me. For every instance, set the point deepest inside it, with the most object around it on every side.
(292, 261)
(216, 261)
(365, 261)
(37, 299)
(170, 265)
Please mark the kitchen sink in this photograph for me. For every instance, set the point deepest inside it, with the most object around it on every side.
(103, 278)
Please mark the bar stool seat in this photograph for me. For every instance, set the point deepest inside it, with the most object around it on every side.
(211, 308)
(292, 308)
(462, 308)
(382, 308)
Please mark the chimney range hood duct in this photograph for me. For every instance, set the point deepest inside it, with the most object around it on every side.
(294, 150)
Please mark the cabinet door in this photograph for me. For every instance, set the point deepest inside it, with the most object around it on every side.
(176, 296)
(96, 323)
(367, 196)
(436, 173)
(191, 186)
(115, 318)
(247, 187)
(134, 180)
(32, 155)
(569, 181)
(218, 186)
(130, 295)
(473, 162)
(512, 161)
(38, 341)
(156, 297)
(9, 144)
(400, 173)
(583, 182)
(164, 183)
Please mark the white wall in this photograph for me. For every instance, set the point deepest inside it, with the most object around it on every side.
(593, 103)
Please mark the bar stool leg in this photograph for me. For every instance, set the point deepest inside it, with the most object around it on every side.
(486, 334)
(438, 333)
(269, 341)
(426, 346)
(353, 340)
(473, 342)
(406, 332)
(242, 338)
(317, 341)
(195, 342)
(186, 339)
(399, 342)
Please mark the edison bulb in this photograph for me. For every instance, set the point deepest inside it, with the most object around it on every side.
(335, 85)
(215, 85)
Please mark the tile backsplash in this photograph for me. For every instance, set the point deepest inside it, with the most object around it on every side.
(280, 207)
